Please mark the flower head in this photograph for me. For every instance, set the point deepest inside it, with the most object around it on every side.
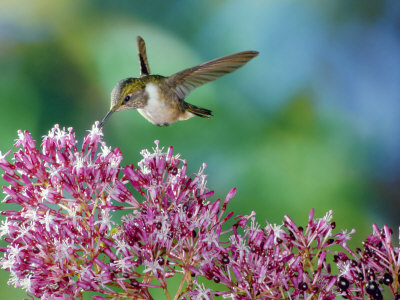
(61, 191)
(64, 239)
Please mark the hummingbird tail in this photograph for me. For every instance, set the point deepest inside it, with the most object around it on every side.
(198, 111)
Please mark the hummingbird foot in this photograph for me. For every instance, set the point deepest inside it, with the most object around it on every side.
(163, 124)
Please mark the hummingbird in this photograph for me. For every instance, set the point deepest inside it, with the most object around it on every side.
(161, 99)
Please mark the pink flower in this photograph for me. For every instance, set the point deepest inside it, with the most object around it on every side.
(277, 261)
(64, 240)
(54, 239)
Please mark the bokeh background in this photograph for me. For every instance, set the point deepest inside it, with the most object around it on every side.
(312, 122)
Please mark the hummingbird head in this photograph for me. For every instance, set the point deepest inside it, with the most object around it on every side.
(129, 93)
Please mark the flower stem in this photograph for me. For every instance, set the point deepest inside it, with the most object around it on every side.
(166, 293)
(180, 287)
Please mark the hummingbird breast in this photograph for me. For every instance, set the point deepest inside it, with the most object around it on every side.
(162, 108)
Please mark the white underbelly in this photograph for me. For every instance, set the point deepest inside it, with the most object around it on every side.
(157, 115)
(157, 110)
(160, 111)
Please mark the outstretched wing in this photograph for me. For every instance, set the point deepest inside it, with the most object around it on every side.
(144, 64)
(187, 80)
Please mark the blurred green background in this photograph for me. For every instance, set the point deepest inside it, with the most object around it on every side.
(312, 122)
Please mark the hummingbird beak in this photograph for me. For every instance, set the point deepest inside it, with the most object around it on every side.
(105, 118)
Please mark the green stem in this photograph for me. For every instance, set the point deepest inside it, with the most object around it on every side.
(166, 293)
(180, 287)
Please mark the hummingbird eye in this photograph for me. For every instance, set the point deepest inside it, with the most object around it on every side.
(127, 98)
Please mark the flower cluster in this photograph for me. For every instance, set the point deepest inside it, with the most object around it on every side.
(55, 238)
(368, 270)
(173, 231)
(63, 240)
(277, 262)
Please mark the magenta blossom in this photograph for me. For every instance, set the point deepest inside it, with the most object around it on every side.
(55, 236)
(64, 239)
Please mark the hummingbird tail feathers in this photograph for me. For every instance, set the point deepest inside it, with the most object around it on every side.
(198, 111)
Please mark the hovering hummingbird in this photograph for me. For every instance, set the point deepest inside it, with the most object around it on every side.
(160, 99)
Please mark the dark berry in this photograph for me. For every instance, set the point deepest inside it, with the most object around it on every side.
(387, 279)
(225, 260)
(135, 283)
(377, 295)
(303, 286)
(343, 283)
(371, 287)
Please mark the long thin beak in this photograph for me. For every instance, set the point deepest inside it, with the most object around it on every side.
(105, 118)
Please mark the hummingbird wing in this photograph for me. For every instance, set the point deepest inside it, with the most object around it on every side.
(144, 64)
(187, 80)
